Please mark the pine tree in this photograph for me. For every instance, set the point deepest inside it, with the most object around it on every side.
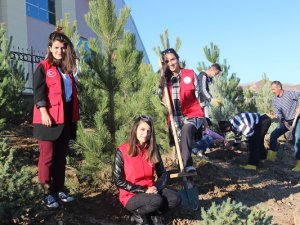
(230, 212)
(264, 98)
(225, 88)
(12, 81)
(18, 191)
(103, 21)
(109, 83)
(165, 43)
(249, 104)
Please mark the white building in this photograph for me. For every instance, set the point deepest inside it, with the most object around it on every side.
(30, 22)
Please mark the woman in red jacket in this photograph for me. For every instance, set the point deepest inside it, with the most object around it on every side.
(55, 115)
(133, 173)
(184, 92)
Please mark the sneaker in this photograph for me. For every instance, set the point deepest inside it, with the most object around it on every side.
(51, 202)
(201, 155)
(64, 197)
(190, 169)
(249, 167)
(195, 151)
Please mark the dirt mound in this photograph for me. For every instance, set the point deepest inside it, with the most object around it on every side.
(273, 187)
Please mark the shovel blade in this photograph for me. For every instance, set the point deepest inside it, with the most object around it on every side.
(189, 198)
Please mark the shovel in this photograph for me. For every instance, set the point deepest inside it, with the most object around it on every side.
(189, 193)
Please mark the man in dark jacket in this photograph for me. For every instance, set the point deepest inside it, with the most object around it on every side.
(205, 79)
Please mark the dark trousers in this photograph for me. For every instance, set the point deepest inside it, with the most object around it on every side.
(188, 132)
(257, 150)
(144, 203)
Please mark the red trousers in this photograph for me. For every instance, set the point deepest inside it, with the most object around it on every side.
(52, 161)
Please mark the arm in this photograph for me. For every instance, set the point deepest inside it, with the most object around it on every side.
(277, 111)
(199, 93)
(161, 174)
(213, 134)
(119, 176)
(207, 96)
(39, 94)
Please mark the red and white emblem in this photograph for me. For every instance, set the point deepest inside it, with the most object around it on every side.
(187, 80)
(51, 73)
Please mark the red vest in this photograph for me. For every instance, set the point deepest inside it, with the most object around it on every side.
(137, 170)
(55, 106)
(190, 106)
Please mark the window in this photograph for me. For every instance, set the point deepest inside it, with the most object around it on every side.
(42, 10)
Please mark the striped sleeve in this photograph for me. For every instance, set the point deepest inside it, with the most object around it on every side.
(245, 122)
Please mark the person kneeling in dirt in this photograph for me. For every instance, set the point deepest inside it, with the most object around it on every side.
(133, 173)
(209, 139)
(254, 127)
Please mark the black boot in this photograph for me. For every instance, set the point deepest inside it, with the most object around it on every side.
(157, 220)
(139, 219)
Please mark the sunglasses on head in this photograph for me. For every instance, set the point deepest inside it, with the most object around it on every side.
(169, 50)
(145, 118)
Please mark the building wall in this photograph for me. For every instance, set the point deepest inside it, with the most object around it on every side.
(1, 10)
(30, 33)
(14, 16)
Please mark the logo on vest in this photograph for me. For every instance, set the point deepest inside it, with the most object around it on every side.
(51, 73)
(187, 80)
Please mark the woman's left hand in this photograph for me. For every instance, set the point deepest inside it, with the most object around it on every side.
(152, 190)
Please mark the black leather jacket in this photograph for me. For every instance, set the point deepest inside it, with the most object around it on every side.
(120, 182)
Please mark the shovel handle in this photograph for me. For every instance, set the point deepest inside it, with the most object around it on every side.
(170, 111)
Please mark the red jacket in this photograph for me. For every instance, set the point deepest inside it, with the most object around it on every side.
(137, 170)
(190, 106)
(54, 95)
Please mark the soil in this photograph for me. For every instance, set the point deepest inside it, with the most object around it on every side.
(273, 187)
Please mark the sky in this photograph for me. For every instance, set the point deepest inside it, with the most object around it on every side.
(254, 37)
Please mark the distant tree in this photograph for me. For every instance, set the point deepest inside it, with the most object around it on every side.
(12, 82)
(264, 100)
(165, 43)
(227, 94)
(69, 30)
(212, 55)
(249, 104)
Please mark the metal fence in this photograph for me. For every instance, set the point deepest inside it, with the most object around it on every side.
(29, 58)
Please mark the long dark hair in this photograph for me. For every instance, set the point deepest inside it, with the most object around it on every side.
(152, 149)
(68, 63)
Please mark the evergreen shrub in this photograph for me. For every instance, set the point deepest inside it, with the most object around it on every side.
(231, 212)
(18, 191)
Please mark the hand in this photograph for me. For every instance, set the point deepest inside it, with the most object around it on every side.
(205, 124)
(217, 102)
(152, 190)
(46, 120)
(286, 124)
(298, 111)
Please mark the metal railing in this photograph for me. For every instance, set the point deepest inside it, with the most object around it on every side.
(29, 59)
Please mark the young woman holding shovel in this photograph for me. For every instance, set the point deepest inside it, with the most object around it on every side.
(136, 162)
(184, 93)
